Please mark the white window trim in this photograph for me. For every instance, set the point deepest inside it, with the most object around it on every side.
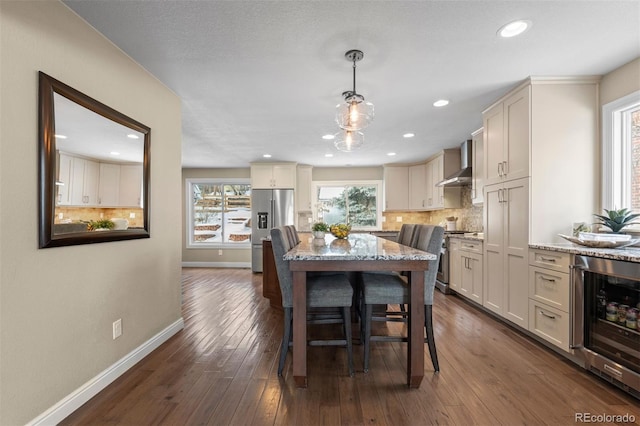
(376, 183)
(615, 193)
(190, 244)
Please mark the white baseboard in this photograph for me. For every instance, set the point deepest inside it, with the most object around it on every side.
(75, 399)
(216, 264)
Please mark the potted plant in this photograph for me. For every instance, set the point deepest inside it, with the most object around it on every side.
(616, 220)
(100, 225)
(318, 229)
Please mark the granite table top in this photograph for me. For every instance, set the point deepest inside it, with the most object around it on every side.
(356, 247)
(627, 254)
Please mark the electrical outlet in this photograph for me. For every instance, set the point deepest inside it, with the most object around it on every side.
(60, 215)
(101, 215)
(398, 218)
(310, 219)
(384, 218)
(219, 252)
(117, 328)
(132, 215)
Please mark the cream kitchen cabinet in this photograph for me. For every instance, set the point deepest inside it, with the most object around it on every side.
(84, 182)
(417, 187)
(506, 138)
(444, 164)
(130, 194)
(304, 202)
(471, 279)
(109, 188)
(63, 183)
(477, 166)
(396, 187)
(549, 293)
(455, 265)
(273, 175)
(506, 245)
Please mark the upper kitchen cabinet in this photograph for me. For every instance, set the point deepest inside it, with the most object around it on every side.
(273, 175)
(477, 166)
(443, 165)
(418, 187)
(303, 188)
(506, 138)
(396, 187)
(130, 185)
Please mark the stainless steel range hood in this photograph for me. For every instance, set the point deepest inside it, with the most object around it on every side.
(463, 176)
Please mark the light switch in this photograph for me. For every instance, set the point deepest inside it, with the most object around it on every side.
(398, 218)
(132, 215)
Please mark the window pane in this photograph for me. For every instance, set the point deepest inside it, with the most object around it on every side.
(635, 159)
(237, 213)
(207, 213)
(355, 205)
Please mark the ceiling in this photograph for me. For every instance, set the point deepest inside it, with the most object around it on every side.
(264, 77)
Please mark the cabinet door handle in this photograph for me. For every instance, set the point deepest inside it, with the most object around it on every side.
(500, 195)
(547, 259)
(547, 315)
(543, 278)
(504, 168)
(500, 169)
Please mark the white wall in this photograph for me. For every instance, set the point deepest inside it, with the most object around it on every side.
(57, 305)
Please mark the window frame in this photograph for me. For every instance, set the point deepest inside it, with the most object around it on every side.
(190, 244)
(379, 194)
(616, 152)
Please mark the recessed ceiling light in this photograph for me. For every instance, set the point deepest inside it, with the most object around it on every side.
(114, 153)
(391, 154)
(60, 136)
(441, 103)
(328, 155)
(132, 136)
(328, 137)
(266, 155)
(408, 135)
(514, 28)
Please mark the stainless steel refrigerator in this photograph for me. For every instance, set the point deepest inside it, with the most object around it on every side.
(269, 208)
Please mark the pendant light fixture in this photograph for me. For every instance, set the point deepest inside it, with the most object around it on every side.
(349, 140)
(354, 113)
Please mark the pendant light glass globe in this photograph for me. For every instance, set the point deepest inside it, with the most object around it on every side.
(354, 114)
(348, 140)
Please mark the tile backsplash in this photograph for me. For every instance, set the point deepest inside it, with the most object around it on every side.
(85, 214)
(470, 217)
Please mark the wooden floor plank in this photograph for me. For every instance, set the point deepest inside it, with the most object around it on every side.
(221, 369)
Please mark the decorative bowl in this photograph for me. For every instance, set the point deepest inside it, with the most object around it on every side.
(600, 243)
(340, 230)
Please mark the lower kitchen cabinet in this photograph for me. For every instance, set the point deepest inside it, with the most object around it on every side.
(465, 268)
(549, 292)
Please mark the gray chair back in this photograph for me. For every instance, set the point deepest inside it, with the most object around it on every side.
(407, 234)
(429, 238)
(280, 245)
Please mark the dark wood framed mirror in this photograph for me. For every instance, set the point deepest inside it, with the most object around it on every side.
(93, 170)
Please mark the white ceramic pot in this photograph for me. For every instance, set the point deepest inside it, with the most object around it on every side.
(318, 234)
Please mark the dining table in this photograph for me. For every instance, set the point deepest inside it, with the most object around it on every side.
(359, 252)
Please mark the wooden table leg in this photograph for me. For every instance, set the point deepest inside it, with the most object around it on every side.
(415, 352)
(300, 328)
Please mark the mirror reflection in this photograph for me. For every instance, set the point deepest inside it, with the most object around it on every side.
(94, 168)
(99, 166)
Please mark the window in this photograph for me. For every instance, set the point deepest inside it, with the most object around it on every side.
(621, 153)
(219, 213)
(356, 203)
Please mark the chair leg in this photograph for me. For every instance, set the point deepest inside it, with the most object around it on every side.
(366, 335)
(346, 316)
(428, 324)
(284, 347)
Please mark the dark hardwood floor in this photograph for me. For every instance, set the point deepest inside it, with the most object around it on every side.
(221, 369)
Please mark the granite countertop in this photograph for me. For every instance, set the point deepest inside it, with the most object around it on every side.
(627, 254)
(357, 246)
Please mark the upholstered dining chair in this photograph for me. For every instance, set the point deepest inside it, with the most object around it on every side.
(385, 289)
(323, 291)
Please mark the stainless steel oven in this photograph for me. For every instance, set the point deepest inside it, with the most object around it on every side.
(605, 331)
